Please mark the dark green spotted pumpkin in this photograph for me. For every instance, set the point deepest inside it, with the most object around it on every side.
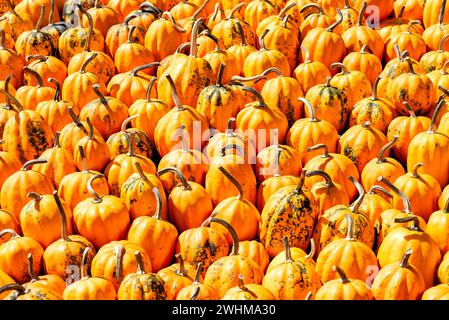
(290, 212)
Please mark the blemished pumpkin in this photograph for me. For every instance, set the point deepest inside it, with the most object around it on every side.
(314, 17)
(34, 293)
(47, 67)
(310, 73)
(29, 96)
(49, 281)
(435, 60)
(249, 291)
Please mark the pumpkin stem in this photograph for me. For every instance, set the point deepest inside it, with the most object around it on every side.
(385, 148)
(127, 121)
(90, 29)
(312, 5)
(178, 173)
(31, 272)
(130, 34)
(196, 280)
(195, 294)
(350, 228)
(35, 74)
(261, 41)
(285, 20)
(174, 93)
(282, 13)
(310, 293)
(239, 79)
(366, 124)
(119, 253)
(355, 206)
(149, 88)
(158, 210)
(12, 232)
(288, 252)
(234, 181)
(182, 270)
(320, 146)
(309, 107)
(35, 196)
(278, 156)
(410, 65)
(336, 23)
(230, 127)
(261, 101)
(220, 75)
(57, 95)
(140, 170)
(306, 54)
(184, 143)
(9, 96)
(409, 109)
(233, 10)
(365, 49)
(76, 120)
(380, 189)
(62, 216)
(27, 165)
(401, 12)
(131, 142)
(361, 13)
(406, 256)
(441, 13)
(90, 189)
(143, 67)
(52, 13)
(231, 146)
(340, 65)
(271, 70)
(200, 8)
(405, 200)
(242, 287)
(413, 218)
(231, 230)
(341, 274)
(2, 39)
(140, 264)
(446, 207)
(193, 41)
(8, 82)
(11, 8)
(398, 52)
(437, 110)
(217, 9)
(88, 60)
(415, 173)
(91, 129)
(442, 42)
(149, 7)
(83, 159)
(39, 20)
(327, 179)
(374, 95)
(13, 286)
(241, 33)
(312, 250)
(100, 94)
(83, 271)
(302, 178)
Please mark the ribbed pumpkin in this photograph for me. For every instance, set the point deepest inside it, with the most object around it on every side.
(276, 20)
(103, 17)
(406, 40)
(7, 86)
(315, 18)
(257, 10)
(124, 7)
(144, 16)
(439, 292)
(7, 221)
(50, 282)
(16, 187)
(89, 288)
(330, 104)
(8, 165)
(31, 8)
(350, 15)
(375, 202)
(399, 281)
(388, 167)
(101, 219)
(430, 148)
(354, 257)
(249, 291)
(241, 50)
(357, 36)
(310, 73)
(217, 57)
(338, 166)
(426, 255)
(437, 227)
(361, 143)
(442, 272)
(148, 232)
(435, 32)
(409, 9)
(187, 20)
(432, 10)
(438, 78)
(397, 24)
(333, 224)
(291, 279)
(364, 61)
(291, 203)
(11, 63)
(443, 197)
(385, 7)
(256, 251)
(310, 131)
(344, 288)
(379, 111)
(15, 23)
(435, 59)
(141, 285)
(22, 292)
(29, 96)
(197, 290)
(55, 28)
(119, 33)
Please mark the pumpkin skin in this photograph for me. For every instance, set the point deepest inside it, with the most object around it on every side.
(89, 288)
(7, 86)
(4, 280)
(364, 61)
(385, 7)
(144, 16)
(119, 34)
(14, 254)
(435, 60)
(439, 292)
(114, 219)
(8, 165)
(250, 291)
(344, 289)
(29, 293)
(40, 218)
(51, 282)
(354, 257)
(30, 96)
(103, 18)
(442, 271)
(148, 231)
(375, 202)
(292, 202)
(271, 185)
(310, 73)
(399, 281)
(11, 63)
(434, 32)
(432, 12)
(47, 67)
(258, 10)
(405, 40)
(219, 56)
(14, 23)
(312, 19)
(426, 250)
(7, 221)
(141, 285)
(437, 226)
(31, 8)
(197, 290)
(255, 251)
(16, 187)
(409, 9)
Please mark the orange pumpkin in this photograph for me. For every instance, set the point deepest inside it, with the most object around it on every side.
(310, 73)
(29, 96)
(435, 59)
(364, 61)
(47, 67)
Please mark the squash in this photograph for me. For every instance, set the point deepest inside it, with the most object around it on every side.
(256, 251)
(7, 221)
(315, 18)
(144, 16)
(29, 96)
(406, 40)
(241, 50)
(439, 292)
(118, 34)
(8, 165)
(438, 29)
(437, 227)
(11, 63)
(435, 59)
(103, 17)
(364, 61)
(249, 291)
(397, 24)
(197, 290)
(15, 23)
(49, 281)
(35, 293)
(376, 201)
(384, 7)
(310, 73)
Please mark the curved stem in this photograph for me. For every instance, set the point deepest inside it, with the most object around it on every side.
(318, 147)
(289, 6)
(312, 5)
(310, 293)
(35, 74)
(442, 42)
(350, 229)
(242, 287)
(405, 200)
(196, 280)
(312, 251)
(361, 13)
(272, 70)
(83, 271)
(12, 232)
(27, 165)
(200, 8)
(257, 77)
(149, 88)
(184, 142)
(174, 93)
(261, 41)
(13, 99)
(140, 171)
(62, 216)
(302, 178)
(178, 173)
(56, 143)
(233, 10)
(231, 146)
(31, 272)
(130, 34)
(131, 141)
(134, 71)
(234, 181)
(355, 206)
(441, 12)
(90, 189)
(285, 20)
(374, 96)
(306, 54)
(385, 148)
(413, 218)
(35, 196)
(91, 129)
(310, 108)
(83, 159)
(278, 157)
(327, 179)
(336, 23)
(241, 33)
(158, 210)
(57, 95)
(76, 120)
(437, 110)
(119, 254)
(41, 16)
(340, 65)
(8, 82)
(2, 39)
(414, 172)
(193, 41)
(88, 60)
(182, 270)
(220, 75)
(100, 94)
(90, 29)
(341, 274)
(140, 264)
(13, 286)
(288, 252)
(398, 52)
(230, 127)
(52, 12)
(404, 260)
(257, 95)
(380, 189)
(409, 109)
(231, 230)
(195, 294)
(446, 207)
(127, 121)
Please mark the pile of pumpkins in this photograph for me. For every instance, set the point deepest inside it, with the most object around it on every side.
(216, 149)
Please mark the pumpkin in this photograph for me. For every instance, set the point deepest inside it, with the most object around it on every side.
(216, 16)
(103, 17)
(29, 96)
(53, 28)
(350, 16)
(398, 24)
(291, 279)
(73, 40)
(438, 78)
(189, 204)
(384, 7)
(31, 8)
(255, 250)
(437, 226)
(50, 281)
(432, 12)
(8, 165)
(116, 259)
(426, 255)
(141, 285)
(409, 9)
(276, 20)
(257, 10)
(144, 16)
(376, 201)
(357, 36)
(249, 291)
(4, 280)
(327, 193)
(218, 57)
(123, 166)
(78, 87)
(388, 167)
(399, 281)
(15, 23)
(148, 231)
(435, 59)
(297, 254)
(310, 73)
(36, 41)
(14, 252)
(134, 192)
(435, 32)
(7, 221)
(7, 86)
(406, 40)
(207, 43)
(187, 21)
(429, 147)
(344, 288)
(123, 8)
(330, 104)
(310, 131)
(364, 61)
(96, 152)
(353, 256)
(119, 33)
(55, 111)
(35, 293)
(16, 187)
(442, 271)
(439, 292)
(379, 111)
(197, 290)
(286, 205)
(101, 219)
(333, 224)
(89, 288)
(315, 18)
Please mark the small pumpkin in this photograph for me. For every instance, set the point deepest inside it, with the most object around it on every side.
(30, 96)
(310, 73)
(103, 17)
(435, 59)
(49, 281)
(15, 23)
(22, 293)
(256, 251)
(437, 227)
(315, 18)
(249, 291)
(8, 165)
(433, 33)
(7, 221)
(439, 292)
(364, 61)
(406, 40)
(197, 290)
(119, 33)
